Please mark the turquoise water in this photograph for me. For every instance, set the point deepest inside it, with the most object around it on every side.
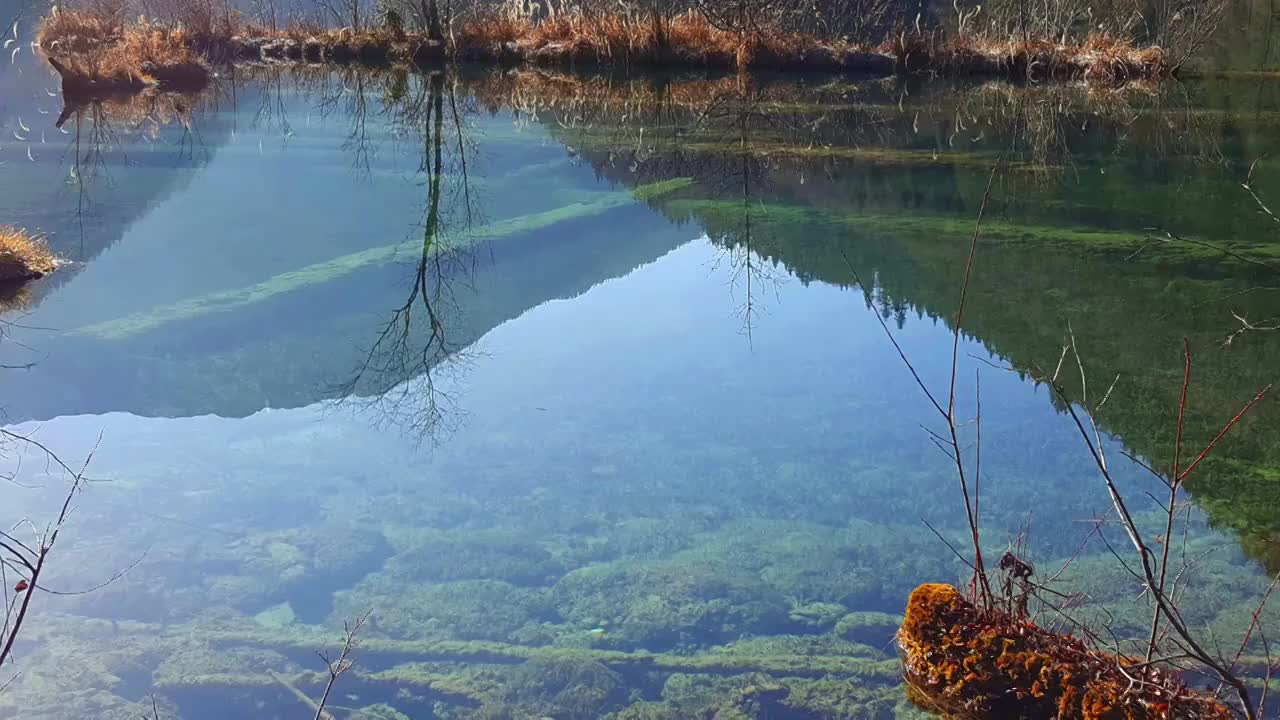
(568, 383)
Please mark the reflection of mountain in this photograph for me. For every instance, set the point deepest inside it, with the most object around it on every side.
(303, 347)
(264, 281)
(1056, 256)
(83, 185)
(283, 275)
(1128, 318)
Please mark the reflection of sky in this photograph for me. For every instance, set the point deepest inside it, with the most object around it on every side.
(271, 195)
(649, 376)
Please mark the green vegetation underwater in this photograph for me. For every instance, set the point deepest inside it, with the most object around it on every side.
(566, 380)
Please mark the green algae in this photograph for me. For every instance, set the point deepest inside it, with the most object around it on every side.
(320, 273)
(488, 652)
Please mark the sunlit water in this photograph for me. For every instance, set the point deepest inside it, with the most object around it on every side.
(575, 392)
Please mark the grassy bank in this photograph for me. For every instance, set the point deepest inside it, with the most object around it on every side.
(23, 257)
(97, 55)
(98, 52)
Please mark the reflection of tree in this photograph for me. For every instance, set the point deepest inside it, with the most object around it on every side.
(896, 166)
(350, 100)
(398, 377)
(102, 128)
(717, 132)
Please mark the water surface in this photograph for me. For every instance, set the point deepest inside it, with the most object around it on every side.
(570, 383)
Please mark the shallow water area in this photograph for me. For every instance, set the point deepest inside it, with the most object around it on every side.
(568, 382)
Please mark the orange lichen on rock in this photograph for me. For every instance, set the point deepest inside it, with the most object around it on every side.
(968, 663)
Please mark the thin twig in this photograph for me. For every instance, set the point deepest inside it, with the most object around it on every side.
(345, 662)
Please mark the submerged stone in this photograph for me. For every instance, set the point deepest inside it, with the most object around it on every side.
(276, 616)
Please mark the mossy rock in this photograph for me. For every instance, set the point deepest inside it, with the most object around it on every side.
(818, 615)
(869, 628)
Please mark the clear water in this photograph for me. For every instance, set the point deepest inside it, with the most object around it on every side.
(628, 440)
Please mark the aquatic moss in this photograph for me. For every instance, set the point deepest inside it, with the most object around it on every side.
(574, 689)
(798, 645)
(818, 615)
(83, 668)
(748, 695)
(464, 609)
(319, 273)
(858, 564)
(971, 664)
(838, 699)
(489, 652)
(868, 628)
(663, 604)
(430, 555)
(309, 563)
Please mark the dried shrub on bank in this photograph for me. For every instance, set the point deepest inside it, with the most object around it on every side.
(96, 55)
(80, 31)
(23, 257)
(971, 663)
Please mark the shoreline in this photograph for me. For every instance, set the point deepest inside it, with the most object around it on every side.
(96, 61)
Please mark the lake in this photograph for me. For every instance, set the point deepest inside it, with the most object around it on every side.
(577, 384)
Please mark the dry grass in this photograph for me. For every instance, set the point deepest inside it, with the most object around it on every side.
(491, 28)
(76, 32)
(97, 54)
(1099, 58)
(610, 38)
(23, 257)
